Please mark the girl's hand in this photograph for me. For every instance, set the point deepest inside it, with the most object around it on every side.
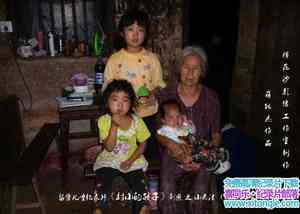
(125, 165)
(148, 101)
(151, 100)
(121, 121)
(116, 120)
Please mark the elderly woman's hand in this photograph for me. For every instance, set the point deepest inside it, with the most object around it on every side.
(179, 151)
(191, 166)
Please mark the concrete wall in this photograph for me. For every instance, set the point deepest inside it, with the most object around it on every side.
(45, 79)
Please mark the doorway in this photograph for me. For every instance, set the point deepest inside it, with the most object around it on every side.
(214, 26)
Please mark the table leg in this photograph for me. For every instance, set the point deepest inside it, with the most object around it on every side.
(93, 124)
(64, 145)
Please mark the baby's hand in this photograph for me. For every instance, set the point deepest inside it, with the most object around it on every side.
(125, 165)
(184, 119)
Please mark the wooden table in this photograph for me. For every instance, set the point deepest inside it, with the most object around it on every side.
(68, 114)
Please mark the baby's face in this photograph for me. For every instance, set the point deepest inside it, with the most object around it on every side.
(173, 117)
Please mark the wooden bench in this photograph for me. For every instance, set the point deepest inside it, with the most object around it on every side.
(19, 164)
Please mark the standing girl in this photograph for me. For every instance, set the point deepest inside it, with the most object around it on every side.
(123, 135)
(140, 67)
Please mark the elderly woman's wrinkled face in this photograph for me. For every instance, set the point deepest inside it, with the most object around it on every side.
(191, 71)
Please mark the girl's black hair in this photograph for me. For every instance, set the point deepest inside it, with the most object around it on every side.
(132, 16)
(129, 18)
(169, 102)
(118, 86)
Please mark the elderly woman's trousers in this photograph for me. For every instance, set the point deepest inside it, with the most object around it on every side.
(196, 197)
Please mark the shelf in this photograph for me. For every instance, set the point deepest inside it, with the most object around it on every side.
(83, 58)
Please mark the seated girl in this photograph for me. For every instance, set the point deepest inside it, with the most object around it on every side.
(123, 135)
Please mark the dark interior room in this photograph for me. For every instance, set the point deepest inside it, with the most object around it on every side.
(52, 59)
(214, 26)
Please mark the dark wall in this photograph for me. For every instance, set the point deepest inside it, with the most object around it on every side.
(278, 31)
(266, 29)
(214, 26)
(22, 17)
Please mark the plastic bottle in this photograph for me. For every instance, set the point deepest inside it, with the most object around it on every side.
(97, 43)
(60, 44)
(51, 44)
(99, 75)
(40, 39)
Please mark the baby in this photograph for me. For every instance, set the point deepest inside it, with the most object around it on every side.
(176, 127)
(174, 123)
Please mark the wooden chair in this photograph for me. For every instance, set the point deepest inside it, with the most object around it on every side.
(19, 165)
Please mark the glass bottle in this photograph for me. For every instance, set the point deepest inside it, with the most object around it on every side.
(99, 75)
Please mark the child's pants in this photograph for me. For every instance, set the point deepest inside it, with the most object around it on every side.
(135, 180)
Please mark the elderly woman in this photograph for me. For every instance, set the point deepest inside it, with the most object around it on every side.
(201, 106)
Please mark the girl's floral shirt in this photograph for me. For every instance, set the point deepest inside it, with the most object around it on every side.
(125, 146)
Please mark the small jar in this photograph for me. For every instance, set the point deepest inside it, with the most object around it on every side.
(82, 47)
